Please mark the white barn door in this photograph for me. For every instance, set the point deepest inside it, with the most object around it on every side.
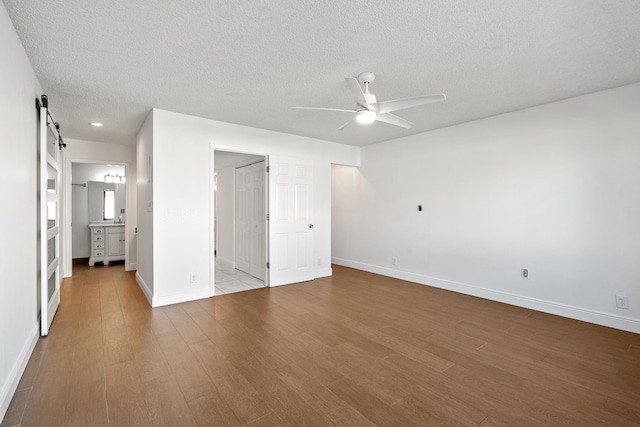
(290, 220)
(49, 159)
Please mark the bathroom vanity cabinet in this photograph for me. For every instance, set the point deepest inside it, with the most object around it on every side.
(107, 243)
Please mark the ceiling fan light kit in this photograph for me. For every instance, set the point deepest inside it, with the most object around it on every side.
(365, 117)
(368, 109)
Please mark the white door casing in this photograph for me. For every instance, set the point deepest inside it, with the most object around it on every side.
(290, 220)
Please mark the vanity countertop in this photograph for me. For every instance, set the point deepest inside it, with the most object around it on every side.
(98, 224)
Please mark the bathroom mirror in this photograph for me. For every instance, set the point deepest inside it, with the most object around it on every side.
(106, 201)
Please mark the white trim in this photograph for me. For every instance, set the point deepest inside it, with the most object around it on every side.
(131, 267)
(577, 313)
(13, 379)
(145, 289)
(323, 272)
(159, 301)
(212, 221)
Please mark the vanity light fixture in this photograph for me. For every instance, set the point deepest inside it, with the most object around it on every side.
(118, 179)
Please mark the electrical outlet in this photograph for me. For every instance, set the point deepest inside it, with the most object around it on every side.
(525, 273)
(168, 213)
(319, 262)
(394, 261)
(194, 213)
(192, 278)
(185, 213)
(622, 302)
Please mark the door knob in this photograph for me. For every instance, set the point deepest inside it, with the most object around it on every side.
(310, 225)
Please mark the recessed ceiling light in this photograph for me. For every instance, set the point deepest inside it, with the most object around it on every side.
(96, 124)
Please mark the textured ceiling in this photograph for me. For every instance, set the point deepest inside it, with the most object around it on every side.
(249, 62)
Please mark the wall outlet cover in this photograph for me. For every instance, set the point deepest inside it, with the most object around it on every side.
(622, 301)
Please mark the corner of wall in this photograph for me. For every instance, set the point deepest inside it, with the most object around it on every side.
(145, 289)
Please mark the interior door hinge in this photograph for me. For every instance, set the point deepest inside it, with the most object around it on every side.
(267, 169)
(268, 265)
(267, 217)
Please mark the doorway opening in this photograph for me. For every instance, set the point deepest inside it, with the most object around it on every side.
(98, 213)
(240, 223)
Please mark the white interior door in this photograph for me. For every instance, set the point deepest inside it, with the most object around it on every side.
(49, 221)
(290, 220)
(250, 220)
(242, 218)
(257, 212)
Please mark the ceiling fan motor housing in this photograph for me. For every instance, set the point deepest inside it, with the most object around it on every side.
(366, 77)
(371, 99)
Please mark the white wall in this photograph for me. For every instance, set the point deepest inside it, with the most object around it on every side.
(102, 153)
(224, 209)
(18, 174)
(182, 151)
(144, 145)
(82, 173)
(555, 189)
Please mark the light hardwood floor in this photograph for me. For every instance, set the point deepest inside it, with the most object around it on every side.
(357, 349)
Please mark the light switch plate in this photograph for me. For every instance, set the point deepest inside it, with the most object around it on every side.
(185, 213)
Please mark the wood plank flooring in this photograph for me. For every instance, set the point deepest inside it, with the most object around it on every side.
(356, 349)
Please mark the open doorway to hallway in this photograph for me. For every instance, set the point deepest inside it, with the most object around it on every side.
(239, 221)
(98, 213)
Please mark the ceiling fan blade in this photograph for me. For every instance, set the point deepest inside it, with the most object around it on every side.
(392, 119)
(347, 124)
(401, 104)
(357, 92)
(321, 108)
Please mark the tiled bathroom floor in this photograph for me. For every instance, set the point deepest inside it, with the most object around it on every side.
(229, 280)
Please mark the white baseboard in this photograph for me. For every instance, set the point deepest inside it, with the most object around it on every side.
(132, 266)
(577, 313)
(323, 272)
(159, 301)
(145, 289)
(13, 379)
(224, 259)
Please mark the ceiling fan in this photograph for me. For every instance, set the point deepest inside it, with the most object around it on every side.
(367, 108)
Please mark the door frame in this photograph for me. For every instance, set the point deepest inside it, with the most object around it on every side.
(212, 236)
(67, 242)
